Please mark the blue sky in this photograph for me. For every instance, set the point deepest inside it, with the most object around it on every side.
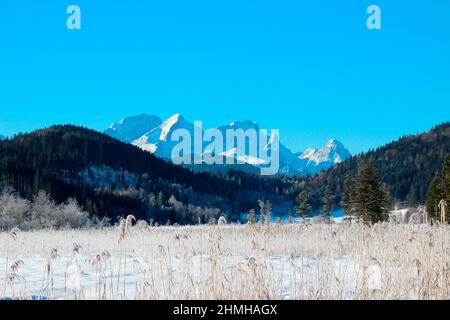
(310, 68)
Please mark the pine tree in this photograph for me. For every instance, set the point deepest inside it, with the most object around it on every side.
(252, 216)
(303, 208)
(348, 197)
(372, 201)
(446, 185)
(438, 190)
(446, 177)
(328, 203)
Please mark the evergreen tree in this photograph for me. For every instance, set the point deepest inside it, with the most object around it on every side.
(348, 197)
(328, 203)
(434, 195)
(303, 208)
(438, 190)
(371, 200)
(446, 177)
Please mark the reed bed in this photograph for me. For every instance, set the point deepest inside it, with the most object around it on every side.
(279, 261)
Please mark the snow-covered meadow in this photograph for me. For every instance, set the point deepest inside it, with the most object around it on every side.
(280, 261)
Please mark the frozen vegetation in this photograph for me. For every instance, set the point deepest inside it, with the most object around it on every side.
(279, 261)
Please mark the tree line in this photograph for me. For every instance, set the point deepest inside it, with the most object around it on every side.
(364, 197)
(110, 179)
(438, 195)
(406, 167)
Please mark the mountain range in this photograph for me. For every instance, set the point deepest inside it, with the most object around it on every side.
(152, 134)
(112, 178)
(2, 137)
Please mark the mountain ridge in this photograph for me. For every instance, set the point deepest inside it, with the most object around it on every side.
(156, 141)
(130, 128)
(111, 178)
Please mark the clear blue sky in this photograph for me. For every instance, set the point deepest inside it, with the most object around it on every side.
(310, 68)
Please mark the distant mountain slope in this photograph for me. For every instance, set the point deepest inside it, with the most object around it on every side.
(131, 128)
(2, 137)
(331, 154)
(157, 141)
(112, 178)
(406, 166)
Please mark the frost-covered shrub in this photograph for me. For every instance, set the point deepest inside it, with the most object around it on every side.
(44, 212)
(41, 213)
(14, 211)
(72, 216)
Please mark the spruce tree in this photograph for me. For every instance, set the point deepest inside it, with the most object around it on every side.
(434, 195)
(371, 200)
(438, 190)
(302, 208)
(348, 197)
(328, 203)
(446, 185)
(446, 177)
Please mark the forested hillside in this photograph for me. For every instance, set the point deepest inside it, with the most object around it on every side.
(406, 167)
(112, 178)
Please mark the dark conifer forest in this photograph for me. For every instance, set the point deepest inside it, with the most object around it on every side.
(406, 167)
(109, 178)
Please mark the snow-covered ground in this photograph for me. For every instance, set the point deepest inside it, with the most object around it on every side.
(283, 261)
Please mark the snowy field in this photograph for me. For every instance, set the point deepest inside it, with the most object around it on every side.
(281, 261)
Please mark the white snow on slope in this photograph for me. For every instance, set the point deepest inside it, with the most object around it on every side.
(144, 143)
(157, 141)
(167, 125)
(308, 153)
(248, 159)
(131, 128)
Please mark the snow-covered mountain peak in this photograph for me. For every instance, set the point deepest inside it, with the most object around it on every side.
(151, 134)
(129, 129)
(333, 143)
(307, 153)
(158, 140)
(167, 125)
(333, 152)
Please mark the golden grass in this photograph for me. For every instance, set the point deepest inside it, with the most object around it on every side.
(280, 261)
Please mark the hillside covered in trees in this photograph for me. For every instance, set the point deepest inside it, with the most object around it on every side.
(406, 167)
(111, 178)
